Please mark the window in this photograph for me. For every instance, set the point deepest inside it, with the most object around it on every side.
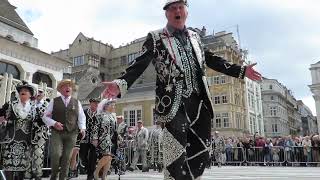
(271, 97)
(251, 124)
(252, 100)
(212, 123)
(79, 60)
(223, 79)
(103, 76)
(131, 116)
(102, 61)
(237, 99)
(132, 57)
(273, 111)
(254, 124)
(270, 86)
(217, 100)
(274, 128)
(238, 120)
(225, 117)
(10, 69)
(39, 77)
(224, 99)
(216, 80)
(94, 60)
(123, 60)
(9, 37)
(209, 80)
(218, 121)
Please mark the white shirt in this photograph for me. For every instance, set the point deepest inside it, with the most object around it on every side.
(47, 118)
(39, 103)
(23, 110)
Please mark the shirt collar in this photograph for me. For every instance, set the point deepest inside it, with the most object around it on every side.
(40, 102)
(26, 104)
(65, 98)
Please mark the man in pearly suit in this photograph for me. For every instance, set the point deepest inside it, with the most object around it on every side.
(183, 101)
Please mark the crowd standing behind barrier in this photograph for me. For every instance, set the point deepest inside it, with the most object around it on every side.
(281, 151)
(250, 151)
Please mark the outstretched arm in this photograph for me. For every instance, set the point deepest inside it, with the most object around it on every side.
(221, 65)
(118, 87)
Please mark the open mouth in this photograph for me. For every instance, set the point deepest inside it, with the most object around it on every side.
(67, 91)
(178, 17)
(23, 94)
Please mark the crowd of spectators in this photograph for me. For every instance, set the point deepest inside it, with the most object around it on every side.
(278, 151)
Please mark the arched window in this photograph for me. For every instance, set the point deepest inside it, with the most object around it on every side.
(41, 77)
(10, 69)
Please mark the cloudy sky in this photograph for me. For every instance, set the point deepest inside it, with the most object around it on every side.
(282, 36)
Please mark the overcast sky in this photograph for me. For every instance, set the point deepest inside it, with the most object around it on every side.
(282, 36)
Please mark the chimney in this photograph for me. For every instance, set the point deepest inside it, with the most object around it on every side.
(203, 31)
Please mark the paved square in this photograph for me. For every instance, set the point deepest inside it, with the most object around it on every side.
(233, 172)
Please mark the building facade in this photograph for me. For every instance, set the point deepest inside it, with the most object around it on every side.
(228, 93)
(254, 112)
(280, 110)
(315, 88)
(20, 59)
(94, 62)
(309, 122)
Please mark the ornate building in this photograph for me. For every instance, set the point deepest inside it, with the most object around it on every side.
(315, 88)
(228, 93)
(94, 62)
(254, 110)
(20, 59)
(280, 110)
(139, 102)
(309, 122)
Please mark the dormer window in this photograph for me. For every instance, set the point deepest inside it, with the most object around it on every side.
(9, 37)
(26, 43)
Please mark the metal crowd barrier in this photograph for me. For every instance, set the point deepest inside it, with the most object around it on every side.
(303, 156)
(265, 155)
(235, 155)
(129, 152)
(2, 176)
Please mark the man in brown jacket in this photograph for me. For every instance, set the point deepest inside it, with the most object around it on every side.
(66, 117)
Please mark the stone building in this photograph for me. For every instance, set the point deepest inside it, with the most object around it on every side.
(315, 88)
(94, 62)
(254, 110)
(20, 58)
(139, 102)
(309, 122)
(280, 110)
(227, 92)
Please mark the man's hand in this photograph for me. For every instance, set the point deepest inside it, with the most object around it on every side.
(83, 133)
(94, 142)
(58, 126)
(111, 91)
(3, 120)
(252, 74)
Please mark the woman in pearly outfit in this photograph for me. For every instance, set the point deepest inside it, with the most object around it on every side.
(105, 138)
(17, 118)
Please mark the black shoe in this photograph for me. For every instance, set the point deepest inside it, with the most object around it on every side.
(90, 177)
(130, 169)
(145, 170)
